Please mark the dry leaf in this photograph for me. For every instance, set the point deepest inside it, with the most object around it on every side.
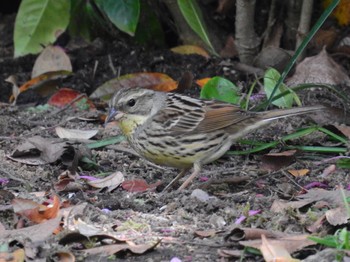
(337, 216)
(273, 252)
(290, 243)
(155, 81)
(344, 129)
(35, 212)
(113, 249)
(319, 69)
(44, 84)
(112, 181)
(38, 151)
(275, 161)
(75, 133)
(52, 58)
(36, 233)
(298, 173)
(139, 185)
(190, 50)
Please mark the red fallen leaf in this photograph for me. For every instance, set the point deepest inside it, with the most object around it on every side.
(35, 212)
(43, 84)
(139, 185)
(65, 96)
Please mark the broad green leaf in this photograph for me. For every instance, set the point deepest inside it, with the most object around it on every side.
(194, 18)
(80, 22)
(220, 89)
(271, 77)
(39, 22)
(149, 31)
(124, 14)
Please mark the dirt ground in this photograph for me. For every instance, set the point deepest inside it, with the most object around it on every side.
(191, 227)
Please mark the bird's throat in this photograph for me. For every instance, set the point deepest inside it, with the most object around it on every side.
(129, 123)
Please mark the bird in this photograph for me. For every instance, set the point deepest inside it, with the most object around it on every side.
(176, 130)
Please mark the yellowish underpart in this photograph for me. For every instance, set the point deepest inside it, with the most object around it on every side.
(128, 123)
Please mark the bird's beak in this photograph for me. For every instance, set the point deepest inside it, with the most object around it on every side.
(113, 114)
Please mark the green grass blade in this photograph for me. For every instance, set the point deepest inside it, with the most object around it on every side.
(303, 45)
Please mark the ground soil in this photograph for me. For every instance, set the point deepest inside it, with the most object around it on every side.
(174, 216)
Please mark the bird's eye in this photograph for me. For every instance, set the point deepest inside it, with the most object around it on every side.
(131, 102)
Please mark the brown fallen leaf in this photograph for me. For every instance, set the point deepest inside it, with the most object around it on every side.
(319, 69)
(298, 173)
(38, 151)
(35, 212)
(190, 50)
(246, 233)
(112, 181)
(273, 252)
(52, 58)
(75, 133)
(44, 84)
(116, 248)
(290, 243)
(337, 216)
(36, 233)
(275, 161)
(151, 80)
(139, 185)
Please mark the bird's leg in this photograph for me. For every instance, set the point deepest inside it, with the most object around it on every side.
(181, 174)
(196, 170)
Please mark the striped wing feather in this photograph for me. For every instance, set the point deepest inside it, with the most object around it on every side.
(200, 116)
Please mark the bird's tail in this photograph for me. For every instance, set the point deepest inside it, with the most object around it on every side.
(275, 114)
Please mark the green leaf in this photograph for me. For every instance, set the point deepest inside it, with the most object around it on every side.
(329, 241)
(39, 22)
(303, 45)
(124, 14)
(80, 22)
(220, 89)
(271, 77)
(106, 142)
(344, 163)
(194, 18)
(149, 31)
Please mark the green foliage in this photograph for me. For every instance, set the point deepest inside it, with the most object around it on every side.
(340, 240)
(271, 78)
(221, 89)
(302, 47)
(124, 14)
(194, 18)
(39, 22)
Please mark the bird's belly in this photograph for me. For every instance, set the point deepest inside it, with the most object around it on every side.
(182, 151)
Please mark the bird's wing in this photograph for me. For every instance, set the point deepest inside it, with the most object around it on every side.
(183, 114)
(220, 115)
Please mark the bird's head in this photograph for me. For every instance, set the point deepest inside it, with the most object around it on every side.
(133, 107)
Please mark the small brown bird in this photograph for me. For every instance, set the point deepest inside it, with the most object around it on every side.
(179, 131)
